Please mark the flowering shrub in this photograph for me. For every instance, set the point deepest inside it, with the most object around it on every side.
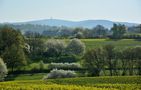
(60, 74)
(3, 70)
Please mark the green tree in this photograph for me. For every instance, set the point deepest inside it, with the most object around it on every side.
(75, 47)
(12, 46)
(136, 61)
(123, 54)
(55, 48)
(99, 31)
(118, 31)
(10, 36)
(110, 55)
(79, 35)
(14, 57)
(94, 61)
(37, 47)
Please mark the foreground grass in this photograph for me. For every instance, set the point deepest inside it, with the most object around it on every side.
(40, 85)
(83, 83)
(117, 82)
(98, 80)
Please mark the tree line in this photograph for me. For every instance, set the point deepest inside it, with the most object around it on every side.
(118, 31)
(116, 61)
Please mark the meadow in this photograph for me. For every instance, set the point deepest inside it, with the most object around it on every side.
(121, 43)
(80, 83)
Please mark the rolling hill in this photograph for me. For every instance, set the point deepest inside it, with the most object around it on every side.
(85, 23)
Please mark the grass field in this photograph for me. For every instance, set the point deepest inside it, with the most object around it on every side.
(83, 83)
(91, 43)
(40, 85)
(20, 77)
(121, 43)
(117, 82)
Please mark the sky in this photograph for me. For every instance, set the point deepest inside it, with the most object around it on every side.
(74, 10)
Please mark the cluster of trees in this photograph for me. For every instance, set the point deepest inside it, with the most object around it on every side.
(64, 32)
(135, 29)
(17, 51)
(54, 50)
(121, 31)
(118, 31)
(115, 61)
(59, 51)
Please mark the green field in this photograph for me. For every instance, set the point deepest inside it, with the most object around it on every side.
(21, 77)
(120, 43)
(82, 83)
(92, 43)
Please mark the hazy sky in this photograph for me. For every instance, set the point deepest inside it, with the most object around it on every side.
(75, 10)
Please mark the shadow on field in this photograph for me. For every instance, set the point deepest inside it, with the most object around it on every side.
(11, 77)
(137, 39)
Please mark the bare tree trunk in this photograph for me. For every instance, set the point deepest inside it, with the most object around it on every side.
(12, 68)
(124, 67)
(139, 67)
(131, 67)
(110, 67)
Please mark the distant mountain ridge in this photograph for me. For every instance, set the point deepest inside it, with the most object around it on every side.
(84, 23)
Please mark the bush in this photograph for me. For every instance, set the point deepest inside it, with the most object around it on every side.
(75, 47)
(54, 48)
(3, 70)
(64, 66)
(60, 74)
